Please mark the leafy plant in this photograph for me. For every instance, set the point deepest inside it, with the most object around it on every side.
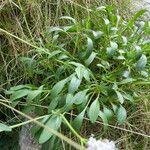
(88, 67)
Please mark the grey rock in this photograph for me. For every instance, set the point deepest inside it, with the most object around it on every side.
(26, 140)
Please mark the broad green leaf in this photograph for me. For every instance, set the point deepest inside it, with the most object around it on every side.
(54, 123)
(19, 94)
(128, 97)
(94, 111)
(74, 84)
(104, 118)
(76, 64)
(108, 113)
(110, 51)
(18, 87)
(69, 103)
(77, 122)
(83, 105)
(4, 127)
(33, 94)
(141, 63)
(120, 97)
(57, 88)
(53, 104)
(86, 75)
(69, 99)
(80, 97)
(115, 108)
(89, 47)
(79, 71)
(90, 59)
(121, 115)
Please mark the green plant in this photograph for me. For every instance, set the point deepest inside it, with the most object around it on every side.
(89, 68)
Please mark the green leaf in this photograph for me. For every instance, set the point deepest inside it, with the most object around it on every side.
(53, 104)
(125, 41)
(79, 71)
(110, 51)
(113, 45)
(54, 29)
(106, 21)
(104, 118)
(74, 84)
(128, 97)
(4, 127)
(69, 18)
(89, 47)
(101, 8)
(115, 108)
(19, 94)
(69, 99)
(94, 111)
(90, 59)
(121, 115)
(18, 87)
(80, 97)
(77, 122)
(69, 103)
(97, 34)
(54, 123)
(36, 128)
(86, 75)
(108, 113)
(33, 94)
(57, 88)
(120, 97)
(141, 63)
(72, 28)
(125, 81)
(54, 53)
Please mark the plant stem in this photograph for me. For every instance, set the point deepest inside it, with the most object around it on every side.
(71, 128)
(26, 122)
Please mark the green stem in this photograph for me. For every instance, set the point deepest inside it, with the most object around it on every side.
(71, 128)
(26, 122)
